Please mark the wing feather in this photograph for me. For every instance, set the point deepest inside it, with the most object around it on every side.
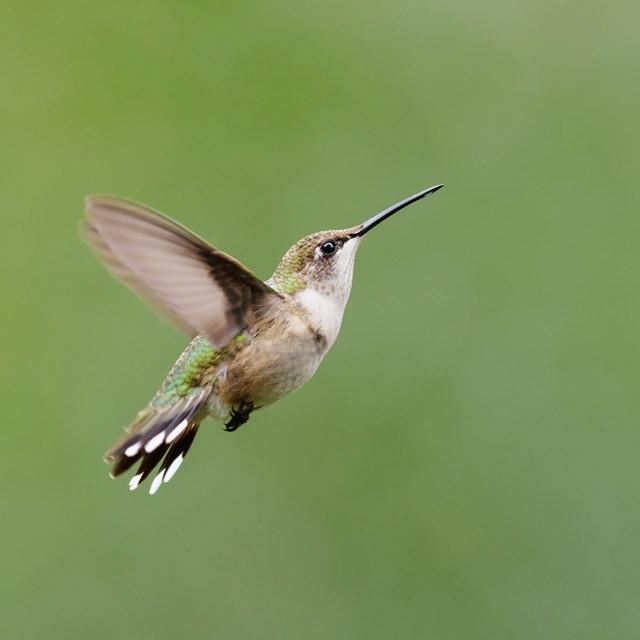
(195, 286)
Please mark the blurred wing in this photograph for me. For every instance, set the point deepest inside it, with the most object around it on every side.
(198, 288)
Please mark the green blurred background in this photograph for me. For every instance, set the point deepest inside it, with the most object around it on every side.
(464, 463)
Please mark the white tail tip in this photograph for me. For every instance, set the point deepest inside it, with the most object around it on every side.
(177, 431)
(154, 443)
(175, 465)
(133, 450)
(157, 481)
(135, 481)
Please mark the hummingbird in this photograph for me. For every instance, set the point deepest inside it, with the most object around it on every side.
(253, 342)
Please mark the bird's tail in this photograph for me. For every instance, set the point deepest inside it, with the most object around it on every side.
(158, 435)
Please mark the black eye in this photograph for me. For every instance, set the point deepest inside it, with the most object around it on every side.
(328, 247)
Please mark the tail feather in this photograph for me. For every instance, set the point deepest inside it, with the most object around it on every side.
(122, 465)
(153, 434)
(149, 462)
(174, 458)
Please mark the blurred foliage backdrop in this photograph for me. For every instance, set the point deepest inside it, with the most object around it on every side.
(464, 463)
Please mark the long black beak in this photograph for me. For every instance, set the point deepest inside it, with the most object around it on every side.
(383, 215)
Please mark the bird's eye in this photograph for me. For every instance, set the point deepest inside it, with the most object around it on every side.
(328, 247)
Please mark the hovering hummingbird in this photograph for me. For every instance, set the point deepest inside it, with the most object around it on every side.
(253, 342)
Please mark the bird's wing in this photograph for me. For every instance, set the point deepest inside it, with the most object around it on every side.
(198, 288)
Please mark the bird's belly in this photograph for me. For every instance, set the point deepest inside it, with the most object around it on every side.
(270, 368)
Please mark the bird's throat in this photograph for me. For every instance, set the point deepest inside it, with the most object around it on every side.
(322, 312)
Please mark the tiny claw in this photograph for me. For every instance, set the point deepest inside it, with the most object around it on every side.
(239, 416)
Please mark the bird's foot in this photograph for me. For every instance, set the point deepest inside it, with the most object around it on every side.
(239, 416)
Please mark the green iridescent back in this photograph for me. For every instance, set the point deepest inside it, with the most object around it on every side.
(188, 374)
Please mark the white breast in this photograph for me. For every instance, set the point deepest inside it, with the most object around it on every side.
(324, 313)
